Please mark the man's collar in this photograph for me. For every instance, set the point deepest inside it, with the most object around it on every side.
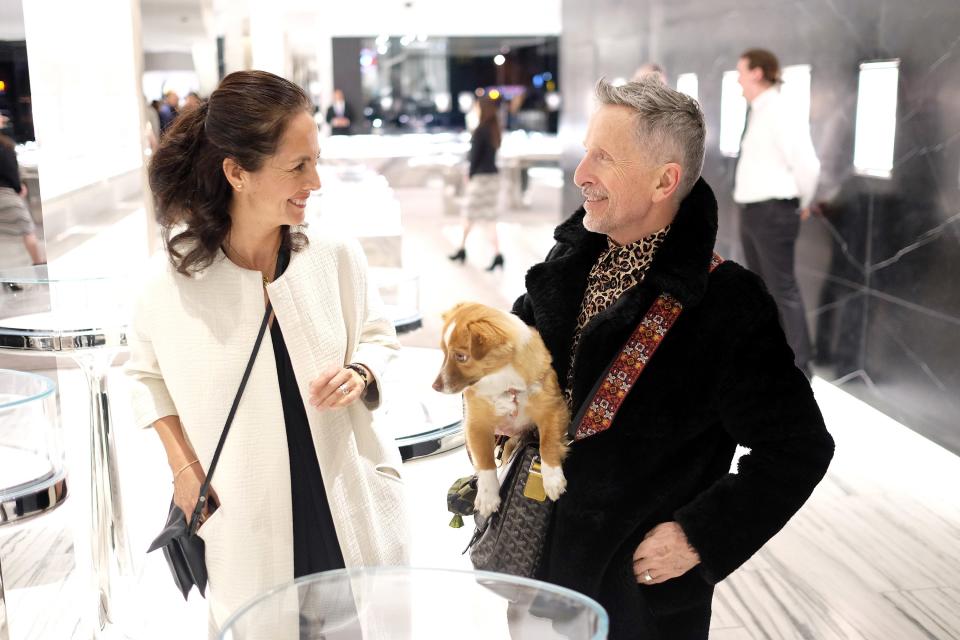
(765, 98)
(682, 263)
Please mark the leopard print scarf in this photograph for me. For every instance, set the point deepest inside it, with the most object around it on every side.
(617, 269)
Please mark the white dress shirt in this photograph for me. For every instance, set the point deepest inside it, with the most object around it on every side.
(777, 159)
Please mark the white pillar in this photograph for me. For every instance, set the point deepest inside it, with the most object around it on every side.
(87, 109)
(268, 41)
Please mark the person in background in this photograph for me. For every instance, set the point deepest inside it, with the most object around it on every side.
(15, 219)
(650, 69)
(483, 187)
(340, 115)
(152, 126)
(168, 110)
(775, 182)
(192, 101)
(305, 483)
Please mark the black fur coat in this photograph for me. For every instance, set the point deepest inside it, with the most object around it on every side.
(724, 375)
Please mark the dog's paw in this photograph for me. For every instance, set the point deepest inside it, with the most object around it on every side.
(554, 482)
(488, 493)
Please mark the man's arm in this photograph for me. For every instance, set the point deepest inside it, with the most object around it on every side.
(797, 148)
(768, 406)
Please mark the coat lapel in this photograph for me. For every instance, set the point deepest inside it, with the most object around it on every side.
(556, 287)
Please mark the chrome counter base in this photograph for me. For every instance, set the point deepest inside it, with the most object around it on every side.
(33, 503)
(431, 442)
(19, 509)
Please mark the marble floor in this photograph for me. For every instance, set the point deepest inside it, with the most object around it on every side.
(875, 554)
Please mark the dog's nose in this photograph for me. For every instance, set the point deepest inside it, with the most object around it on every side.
(438, 384)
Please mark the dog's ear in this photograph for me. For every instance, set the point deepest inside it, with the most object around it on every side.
(449, 313)
(484, 337)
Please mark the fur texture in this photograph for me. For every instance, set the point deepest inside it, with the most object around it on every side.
(723, 375)
(503, 369)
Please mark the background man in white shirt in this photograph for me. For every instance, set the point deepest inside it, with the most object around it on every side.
(775, 182)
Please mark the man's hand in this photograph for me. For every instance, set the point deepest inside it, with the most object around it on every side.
(663, 554)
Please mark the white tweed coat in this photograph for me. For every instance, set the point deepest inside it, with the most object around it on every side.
(189, 343)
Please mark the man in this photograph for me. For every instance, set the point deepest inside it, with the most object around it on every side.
(192, 101)
(650, 69)
(339, 115)
(775, 183)
(652, 519)
(168, 110)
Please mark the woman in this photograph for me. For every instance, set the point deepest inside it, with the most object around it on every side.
(483, 189)
(15, 218)
(304, 483)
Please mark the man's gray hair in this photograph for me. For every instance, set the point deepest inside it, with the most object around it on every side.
(670, 126)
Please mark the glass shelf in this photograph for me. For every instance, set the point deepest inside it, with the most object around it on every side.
(45, 314)
(403, 602)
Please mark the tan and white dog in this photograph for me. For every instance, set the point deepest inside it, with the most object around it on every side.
(509, 386)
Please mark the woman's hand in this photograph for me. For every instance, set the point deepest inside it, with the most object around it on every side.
(186, 491)
(336, 388)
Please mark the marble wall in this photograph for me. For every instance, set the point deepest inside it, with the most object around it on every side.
(877, 268)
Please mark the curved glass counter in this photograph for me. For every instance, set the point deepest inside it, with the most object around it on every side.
(422, 421)
(32, 477)
(58, 314)
(82, 316)
(403, 602)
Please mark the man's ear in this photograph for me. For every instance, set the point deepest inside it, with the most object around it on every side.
(484, 337)
(668, 181)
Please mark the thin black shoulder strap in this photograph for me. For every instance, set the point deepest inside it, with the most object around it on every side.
(283, 259)
(226, 428)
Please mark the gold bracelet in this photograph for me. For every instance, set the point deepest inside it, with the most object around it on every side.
(184, 468)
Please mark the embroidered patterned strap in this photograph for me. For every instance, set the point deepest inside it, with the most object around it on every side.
(598, 414)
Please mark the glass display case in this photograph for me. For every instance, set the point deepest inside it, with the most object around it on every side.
(400, 291)
(32, 476)
(422, 421)
(82, 317)
(402, 602)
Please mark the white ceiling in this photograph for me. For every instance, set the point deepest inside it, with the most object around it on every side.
(173, 25)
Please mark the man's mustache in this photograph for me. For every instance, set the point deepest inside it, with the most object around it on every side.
(592, 193)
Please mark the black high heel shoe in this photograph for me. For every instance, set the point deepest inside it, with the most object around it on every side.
(459, 256)
(497, 262)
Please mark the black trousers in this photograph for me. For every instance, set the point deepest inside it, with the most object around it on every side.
(768, 231)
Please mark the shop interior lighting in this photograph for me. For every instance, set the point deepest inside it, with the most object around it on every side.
(687, 83)
(733, 111)
(876, 123)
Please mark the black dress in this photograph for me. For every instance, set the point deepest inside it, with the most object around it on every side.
(315, 545)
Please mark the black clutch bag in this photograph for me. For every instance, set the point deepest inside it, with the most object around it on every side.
(182, 547)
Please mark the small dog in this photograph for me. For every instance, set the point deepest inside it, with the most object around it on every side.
(504, 371)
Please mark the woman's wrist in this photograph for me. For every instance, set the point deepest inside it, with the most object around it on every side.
(361, 370)
(177, 473)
